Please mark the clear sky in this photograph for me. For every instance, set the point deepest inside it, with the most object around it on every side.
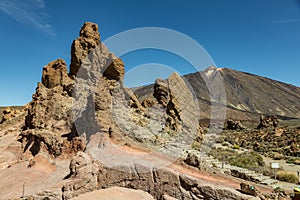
(260, 37)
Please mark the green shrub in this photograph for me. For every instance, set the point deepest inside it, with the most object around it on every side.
(287, 177)
(247, 160)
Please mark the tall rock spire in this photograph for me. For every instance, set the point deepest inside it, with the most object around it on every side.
(88, 40)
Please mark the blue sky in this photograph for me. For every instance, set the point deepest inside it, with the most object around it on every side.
(260, 37)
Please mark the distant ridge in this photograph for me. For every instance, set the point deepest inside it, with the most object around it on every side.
(248, 95)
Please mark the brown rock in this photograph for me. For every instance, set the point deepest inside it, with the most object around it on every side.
(87, 175)
(119, 193)
(234, 125)
(56, 74)
(7, 115)
(115, 70)
(148, 102)
(83, 172)
(182, 107)
(89, 39)
(161, 92)
(268, 122)
(192, 159)
(133, 101)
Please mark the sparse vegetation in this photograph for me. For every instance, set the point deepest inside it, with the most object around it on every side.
(294, 160)
(247, 160)
(287, 177)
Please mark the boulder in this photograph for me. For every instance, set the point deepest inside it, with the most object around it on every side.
(192, 159)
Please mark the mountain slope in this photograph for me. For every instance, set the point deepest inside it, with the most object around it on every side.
(247, 95)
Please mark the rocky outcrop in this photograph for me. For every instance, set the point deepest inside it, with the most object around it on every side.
(148, 102)
(161, 92)
(193, 160)
(65, 106)
(52, 100)
(8, 115)
(89, 39)
(56, 74)
(234, 125)
(48, 124)
(134, 102)
(115, 70)
(182, 109)
(84, 175)
(268, 122)
(87, 175)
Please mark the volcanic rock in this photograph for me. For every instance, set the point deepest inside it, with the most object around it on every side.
(8, 115)
(182, 107)
(161, 92)
(234, 125)
(86, 175)
(148, 102)
(115, 70)
(268, 122)
(89, 39)
(56, 74)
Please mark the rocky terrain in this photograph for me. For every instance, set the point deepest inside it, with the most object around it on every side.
(85, 135)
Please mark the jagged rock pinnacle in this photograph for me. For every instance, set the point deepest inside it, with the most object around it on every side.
(88, 40)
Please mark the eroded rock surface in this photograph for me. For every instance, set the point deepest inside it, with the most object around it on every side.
(162, 183)
(88, 40)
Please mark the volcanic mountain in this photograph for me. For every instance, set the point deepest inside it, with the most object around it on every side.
(247, 95)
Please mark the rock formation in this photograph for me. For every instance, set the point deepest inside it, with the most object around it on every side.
(180, 106)
(268, 122)
(88, 176)
(234, 125)
(88, 40)
(161, 92)
(8, 115)
(91, 102)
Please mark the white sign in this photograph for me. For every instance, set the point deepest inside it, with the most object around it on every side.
(275, 165)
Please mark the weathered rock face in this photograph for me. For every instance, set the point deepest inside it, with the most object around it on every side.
(56, 74)
(161, 92)
(268, 122)
(148, 102)
(87, 175)
(48, 123)
(65, 106)
(88, 40)
(49, 108)
(182, 109)
(115, 70)
(84, 173)
(234, 125)
(119, 193)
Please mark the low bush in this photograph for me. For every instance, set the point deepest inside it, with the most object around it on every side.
(287, 177)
